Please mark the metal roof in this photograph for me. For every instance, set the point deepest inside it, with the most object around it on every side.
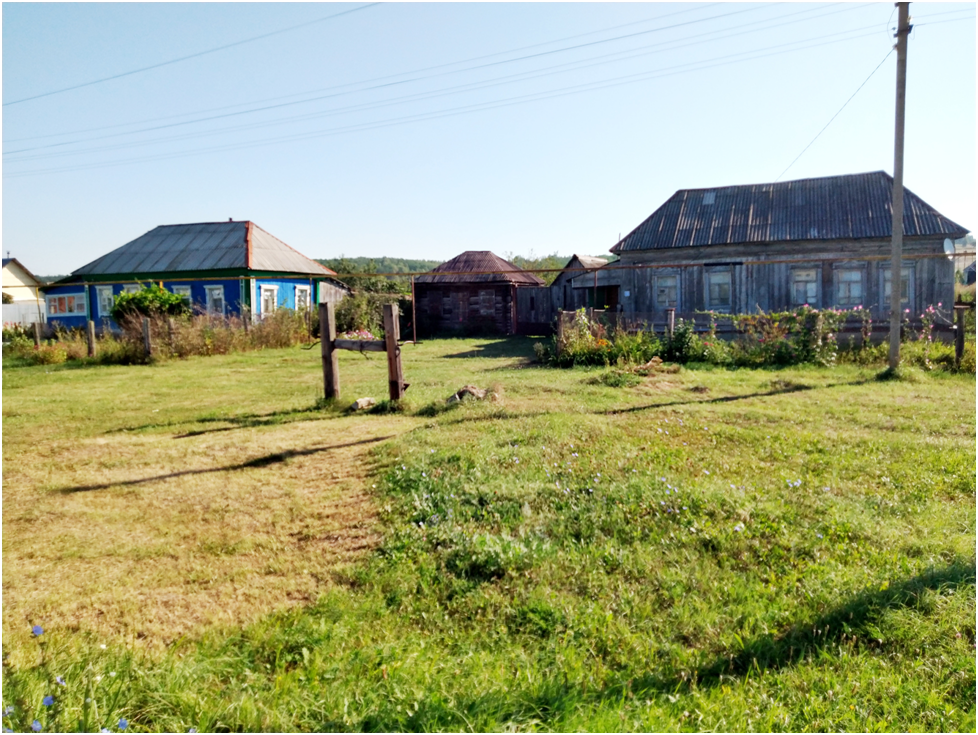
(204, 246)
(479, 266)
(849, 207)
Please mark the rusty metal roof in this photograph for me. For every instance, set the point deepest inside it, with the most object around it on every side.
(849, 207)
(204, 246)
(479, 266)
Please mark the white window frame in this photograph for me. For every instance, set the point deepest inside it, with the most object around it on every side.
(308, 292)
(886, 280)
(817, 281)
(208, 290)
(837, 283)
(658, 302)
(106, 300)
(184, 291)
(131, 288)
(261, 298)
(79, 303)
(487, 302)
(710, 275)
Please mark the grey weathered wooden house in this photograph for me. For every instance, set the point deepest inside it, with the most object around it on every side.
(473, 293)
(824, 242)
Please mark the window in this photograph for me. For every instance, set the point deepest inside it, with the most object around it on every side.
(301, 298)
(183, 291)
(804, 287)
(446, 305)
(905, 276)
(487, 302)
(718, 290)
(215, 299)
(105, 300)
(849, 287)
(667, 292)
(132, 288)
(269, 299)
(67, 304)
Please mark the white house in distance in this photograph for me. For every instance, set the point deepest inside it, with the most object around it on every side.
(22, 303)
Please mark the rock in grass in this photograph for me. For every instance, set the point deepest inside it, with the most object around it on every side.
(468, 390)
(361, 403)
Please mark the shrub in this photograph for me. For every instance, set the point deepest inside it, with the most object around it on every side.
(49, 354)
(151, 301)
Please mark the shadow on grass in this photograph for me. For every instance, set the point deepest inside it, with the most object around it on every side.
(778, 391)
(514, 347)
(241, 421)
(855, 620)
(263, 461)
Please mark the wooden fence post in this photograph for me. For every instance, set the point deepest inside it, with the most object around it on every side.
(90, 333)
(331, 363)
(395, 374)
(37, 334)
(147, 341)
(958, 333)
(560, 328)
(670, 321)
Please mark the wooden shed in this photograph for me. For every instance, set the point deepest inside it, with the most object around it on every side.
(473, 293)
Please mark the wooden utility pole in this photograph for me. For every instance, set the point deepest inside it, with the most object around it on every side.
(896, 265)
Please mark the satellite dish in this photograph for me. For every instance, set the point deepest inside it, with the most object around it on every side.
(949, 248)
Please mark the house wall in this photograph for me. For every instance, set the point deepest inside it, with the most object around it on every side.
(534, 314)
(565, 294)
(766, 286)
(19, 284)
(460, 308)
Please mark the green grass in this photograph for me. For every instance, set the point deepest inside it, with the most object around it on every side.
(738, 550)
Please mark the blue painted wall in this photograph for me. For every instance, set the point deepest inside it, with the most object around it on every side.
(232, 300)
(285, 298)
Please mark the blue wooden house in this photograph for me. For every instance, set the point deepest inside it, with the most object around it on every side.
(222, 268)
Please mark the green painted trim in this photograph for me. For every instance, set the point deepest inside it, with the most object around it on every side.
(188, 276)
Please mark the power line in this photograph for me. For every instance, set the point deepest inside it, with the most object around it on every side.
(470, 86)
(406, 81)
(836, 114)
(420, 96)
(592, 86)
(191, 56)
(363, 81)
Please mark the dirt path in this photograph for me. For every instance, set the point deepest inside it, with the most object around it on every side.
(152, 536)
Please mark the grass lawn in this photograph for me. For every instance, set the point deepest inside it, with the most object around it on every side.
(205, 545)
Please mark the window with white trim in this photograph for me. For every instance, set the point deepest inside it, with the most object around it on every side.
(71, 304)
(804, 287)
(215, 299)
(906, 274)
(718, 290)
(269, 299)
(667, 292)
(132, 288)
(106, 300)
(849, 287)
(302, 298)
(185, 292)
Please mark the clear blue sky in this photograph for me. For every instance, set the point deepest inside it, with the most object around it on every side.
(514, 142)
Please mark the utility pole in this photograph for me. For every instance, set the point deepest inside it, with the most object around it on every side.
(896, 265)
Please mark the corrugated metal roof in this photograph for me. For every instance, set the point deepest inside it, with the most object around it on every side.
(849, 207)
(476, 266)
(204, 246)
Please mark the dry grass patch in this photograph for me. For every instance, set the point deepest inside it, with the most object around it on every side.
(151, 536)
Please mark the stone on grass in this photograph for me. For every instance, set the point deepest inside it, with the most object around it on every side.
(470, 391)
(361, 403)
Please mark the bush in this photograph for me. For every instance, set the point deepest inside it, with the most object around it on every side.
(151, 301)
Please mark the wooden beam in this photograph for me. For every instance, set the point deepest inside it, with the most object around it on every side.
(331, 363)
(147, 338)
(359, 345)
(392, 332)
(90, 335)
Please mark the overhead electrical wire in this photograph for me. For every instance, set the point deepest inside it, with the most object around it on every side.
(364, 81)
(189, 56)
(472, 86)
(630, 79)
(583, 63)
(486, 65)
